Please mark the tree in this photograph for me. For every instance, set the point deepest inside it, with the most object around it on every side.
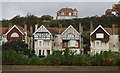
(46, 17)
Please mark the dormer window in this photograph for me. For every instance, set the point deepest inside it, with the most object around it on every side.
(99, 35)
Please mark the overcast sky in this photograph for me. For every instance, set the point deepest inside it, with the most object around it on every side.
(85, 9)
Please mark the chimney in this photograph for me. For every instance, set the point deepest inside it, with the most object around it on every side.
(25, 31)
(31, 30)
(25, 27)
(113, 29)
(31, 38)
(80, 28)
(60, 27)
(36, 27)
(91, 27)
(10, 25)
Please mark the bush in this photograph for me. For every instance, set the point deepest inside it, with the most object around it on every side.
(54, 59)
(35, 61)
(107, 58)
(19, 46)
(11, 57)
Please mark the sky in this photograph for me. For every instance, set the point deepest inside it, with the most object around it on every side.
(85, 9)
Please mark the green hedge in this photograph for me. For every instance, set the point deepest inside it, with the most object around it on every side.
(107, 58)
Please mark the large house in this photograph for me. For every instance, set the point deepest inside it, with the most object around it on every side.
(72, 39)
(67, 13)
(15, 32)
(115, 10)
(104, 39)
(43, 41)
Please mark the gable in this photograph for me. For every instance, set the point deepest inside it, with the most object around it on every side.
(42, 33)
(100, 34)
(100, 27)
(15, 27)
(70, 33)
(41, 29)
(15, 34)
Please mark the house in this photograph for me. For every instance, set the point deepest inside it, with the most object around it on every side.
(115, 10)
(3, 39)
(15, 33)
(114, 38)
(43, 40)
(67, 13)
(72, 39)
(104, 39)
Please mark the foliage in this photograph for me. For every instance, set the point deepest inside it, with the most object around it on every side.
(11, 57)
(29, 19)
(35, 60)
(18, 46)
(46, 17)
(106, 58)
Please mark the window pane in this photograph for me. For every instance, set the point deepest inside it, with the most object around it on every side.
(99, 35)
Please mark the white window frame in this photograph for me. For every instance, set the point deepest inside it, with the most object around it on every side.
(40, 44)
(99, 35)
(98, 43)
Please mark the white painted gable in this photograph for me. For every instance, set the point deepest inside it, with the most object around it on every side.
(70, 33)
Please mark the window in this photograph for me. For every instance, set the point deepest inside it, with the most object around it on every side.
(62, 13)
(65, 44)
(98, 43)
(14, 34)
(46, 43)
(40, 43)
(69, 14)
(73, 43)
(70, 36)
(99, 35)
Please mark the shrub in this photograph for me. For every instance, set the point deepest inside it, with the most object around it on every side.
(19, 46)
(10, 57)
(54, 59)
(35, 60)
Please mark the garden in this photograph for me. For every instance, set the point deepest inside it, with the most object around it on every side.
(20, 56)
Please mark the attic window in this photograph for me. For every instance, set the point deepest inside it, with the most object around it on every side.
(99, 35)
(14, 34)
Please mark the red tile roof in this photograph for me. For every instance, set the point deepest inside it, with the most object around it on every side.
(67, 9)
(113, 31)
(3, 30)
(55, 30)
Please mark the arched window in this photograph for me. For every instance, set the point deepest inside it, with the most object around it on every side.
(14, 34)
(70, 36)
